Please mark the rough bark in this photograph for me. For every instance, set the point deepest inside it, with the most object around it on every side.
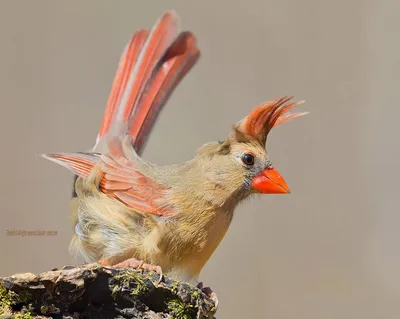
(93, 291)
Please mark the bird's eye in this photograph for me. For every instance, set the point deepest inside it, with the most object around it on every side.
(248, 159)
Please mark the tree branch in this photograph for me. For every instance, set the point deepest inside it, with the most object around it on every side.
(94, 291)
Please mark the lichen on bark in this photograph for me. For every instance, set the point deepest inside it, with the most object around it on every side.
(94, 291)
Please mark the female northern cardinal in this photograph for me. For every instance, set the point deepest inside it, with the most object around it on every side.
(130, 212)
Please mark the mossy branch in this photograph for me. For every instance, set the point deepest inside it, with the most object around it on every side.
(94, 291)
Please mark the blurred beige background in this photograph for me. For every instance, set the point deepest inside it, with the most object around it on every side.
(331, 248)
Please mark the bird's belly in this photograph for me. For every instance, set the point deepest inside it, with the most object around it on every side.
(105, 229)
(188, 247)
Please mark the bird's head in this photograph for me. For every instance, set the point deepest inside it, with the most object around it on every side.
(240, 165)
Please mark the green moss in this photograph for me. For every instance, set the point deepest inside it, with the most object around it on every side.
(26, 313)
(179, 310)
(195, 294)
(175, 286)
(140, 284)
(10, 298)
(115, 291)
(126, 281)
(7, 299)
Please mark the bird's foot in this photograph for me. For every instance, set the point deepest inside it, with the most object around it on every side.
(210, 293)
(137, 265)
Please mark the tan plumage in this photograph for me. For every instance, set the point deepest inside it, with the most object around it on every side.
(171, 216)
(109, 230)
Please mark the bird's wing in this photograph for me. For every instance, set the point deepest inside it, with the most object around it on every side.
(119, 177)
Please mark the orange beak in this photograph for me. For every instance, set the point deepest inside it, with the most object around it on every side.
(269, 181)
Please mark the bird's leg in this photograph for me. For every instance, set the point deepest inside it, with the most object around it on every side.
(209, 292)
(134, 264)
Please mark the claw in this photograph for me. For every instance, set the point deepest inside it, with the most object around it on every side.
(137, 265)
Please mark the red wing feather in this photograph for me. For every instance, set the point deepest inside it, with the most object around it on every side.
(119, 179)
(123, 181)
(80, 164)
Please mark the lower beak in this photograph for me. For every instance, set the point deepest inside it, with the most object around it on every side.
(269, 181)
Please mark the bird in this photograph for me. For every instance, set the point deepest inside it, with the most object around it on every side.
(130, 212)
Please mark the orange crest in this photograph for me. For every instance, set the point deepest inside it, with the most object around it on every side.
(263, 118)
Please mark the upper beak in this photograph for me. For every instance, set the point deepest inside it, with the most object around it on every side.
(269, 181)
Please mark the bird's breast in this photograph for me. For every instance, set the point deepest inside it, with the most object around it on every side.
(191, 240)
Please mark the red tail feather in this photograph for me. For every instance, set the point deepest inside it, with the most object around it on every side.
(176, 63)
(150, 68)
(126, 64)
